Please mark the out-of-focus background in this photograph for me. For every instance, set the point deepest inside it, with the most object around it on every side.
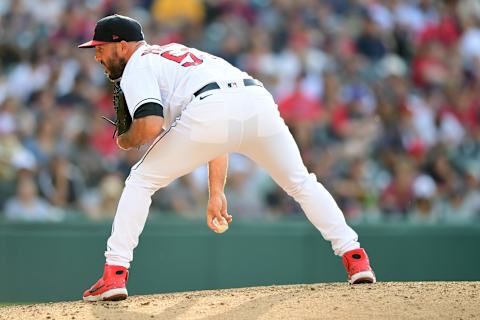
(382, 97)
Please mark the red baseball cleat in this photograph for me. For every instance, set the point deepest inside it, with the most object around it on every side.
(110, 287)
(358, 267)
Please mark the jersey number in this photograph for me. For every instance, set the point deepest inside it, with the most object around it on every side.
(195, 61)
(178, 59)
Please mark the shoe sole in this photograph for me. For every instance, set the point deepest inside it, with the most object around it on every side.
(116, 294)
(363, 277)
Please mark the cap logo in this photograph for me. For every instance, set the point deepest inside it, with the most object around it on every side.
(115, 37)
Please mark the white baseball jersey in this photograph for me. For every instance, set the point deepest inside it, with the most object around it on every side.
(169, 75)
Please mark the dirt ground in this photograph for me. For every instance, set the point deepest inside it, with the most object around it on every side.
(387, 300)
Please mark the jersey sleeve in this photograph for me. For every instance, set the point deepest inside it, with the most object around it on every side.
(140, 86)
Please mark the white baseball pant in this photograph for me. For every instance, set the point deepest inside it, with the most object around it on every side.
(230, 119)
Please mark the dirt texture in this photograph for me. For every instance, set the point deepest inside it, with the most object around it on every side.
(387, 300)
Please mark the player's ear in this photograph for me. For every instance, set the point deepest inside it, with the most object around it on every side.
(123, 47)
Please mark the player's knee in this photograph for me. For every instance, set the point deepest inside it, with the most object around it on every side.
(302, 185)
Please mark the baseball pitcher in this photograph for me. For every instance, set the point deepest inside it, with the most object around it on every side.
(193, 108)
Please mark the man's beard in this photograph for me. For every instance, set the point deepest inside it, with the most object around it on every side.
(114, 70)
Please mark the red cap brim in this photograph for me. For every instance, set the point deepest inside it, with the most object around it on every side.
(92, 43)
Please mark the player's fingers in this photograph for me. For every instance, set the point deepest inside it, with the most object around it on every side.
(223, 211)
(220, 218)
(225, 216)
(210, 223)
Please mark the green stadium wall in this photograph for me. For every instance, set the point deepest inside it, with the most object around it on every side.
(56, 262)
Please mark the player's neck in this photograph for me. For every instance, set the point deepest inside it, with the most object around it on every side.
(134, 48)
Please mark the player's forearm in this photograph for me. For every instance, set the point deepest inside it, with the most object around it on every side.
(217, 174)
(131, 139)
(142, 131)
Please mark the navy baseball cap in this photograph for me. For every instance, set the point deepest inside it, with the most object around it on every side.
(115, 28)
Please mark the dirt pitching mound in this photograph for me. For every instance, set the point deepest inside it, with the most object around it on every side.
(388, 300)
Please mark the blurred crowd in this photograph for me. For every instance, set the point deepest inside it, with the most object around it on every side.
(383, 98)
